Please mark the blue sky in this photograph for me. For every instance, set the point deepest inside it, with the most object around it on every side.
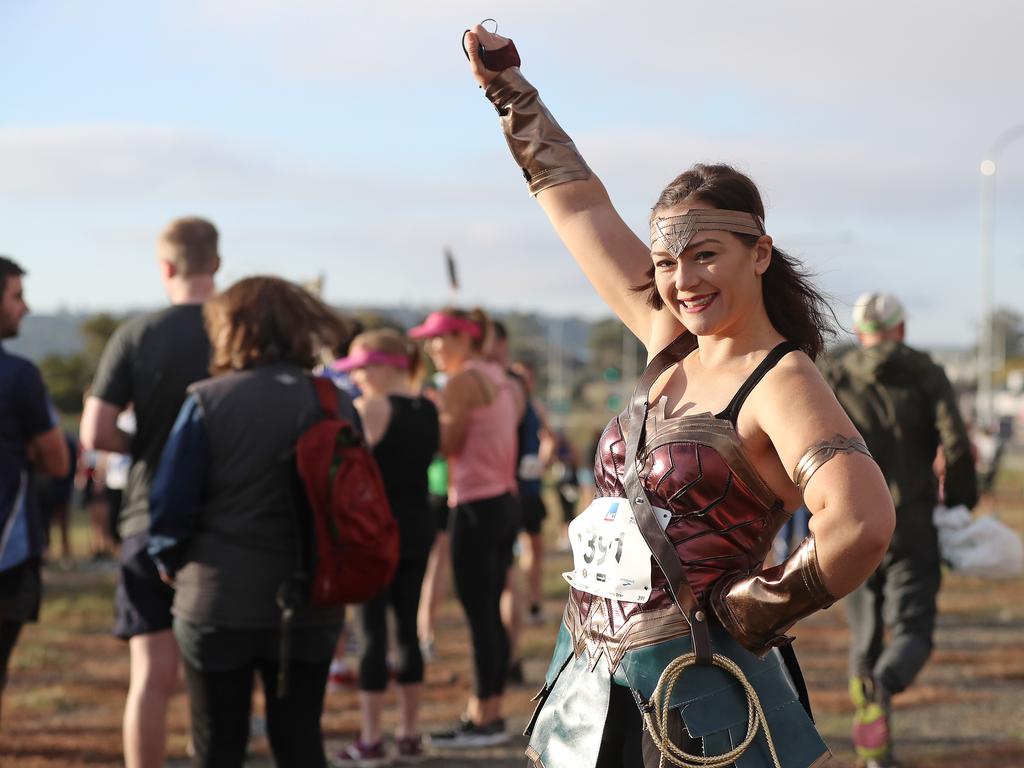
(347, 139)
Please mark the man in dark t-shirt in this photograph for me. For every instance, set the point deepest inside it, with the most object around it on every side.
(30, 441)
(148, 364)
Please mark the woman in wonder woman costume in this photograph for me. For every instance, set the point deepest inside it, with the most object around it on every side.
(673, 646)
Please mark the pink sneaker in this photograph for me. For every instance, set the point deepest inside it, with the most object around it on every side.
(360, 755)
(410, 749)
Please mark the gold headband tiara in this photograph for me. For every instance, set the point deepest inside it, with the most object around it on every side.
(675, 232)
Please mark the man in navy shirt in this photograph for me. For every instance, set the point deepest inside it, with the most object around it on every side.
(30, 440)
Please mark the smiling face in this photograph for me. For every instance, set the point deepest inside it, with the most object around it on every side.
(714, 281)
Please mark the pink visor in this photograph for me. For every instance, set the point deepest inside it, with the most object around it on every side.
(363, 357)
(440, 324)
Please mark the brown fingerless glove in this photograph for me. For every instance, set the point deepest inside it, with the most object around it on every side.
(758, 609)
(539, 145)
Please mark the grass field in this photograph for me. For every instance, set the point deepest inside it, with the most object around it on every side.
(68, 679)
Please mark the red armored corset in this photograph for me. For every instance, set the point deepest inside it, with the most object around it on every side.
(724, 518)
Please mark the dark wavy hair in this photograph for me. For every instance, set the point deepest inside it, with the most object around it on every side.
(263, 320)
(795, 307)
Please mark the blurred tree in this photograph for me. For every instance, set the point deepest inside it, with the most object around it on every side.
(68, 376)
(96, 332)
(606, 351)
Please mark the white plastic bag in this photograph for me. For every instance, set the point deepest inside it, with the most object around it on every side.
(978, 546)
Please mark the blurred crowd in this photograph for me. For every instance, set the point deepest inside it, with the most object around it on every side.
(183, 463)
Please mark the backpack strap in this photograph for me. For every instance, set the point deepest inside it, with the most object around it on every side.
(732, 410)
(294, 591)
(327, 394)
(664, 553)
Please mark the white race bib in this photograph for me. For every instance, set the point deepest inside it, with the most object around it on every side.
(530, 467)
(610, 557)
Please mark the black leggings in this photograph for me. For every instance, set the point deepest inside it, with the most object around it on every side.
(482, 536)
(404, 597)
(221, 700)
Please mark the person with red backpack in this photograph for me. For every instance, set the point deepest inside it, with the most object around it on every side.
(256, 458)
(404, 431)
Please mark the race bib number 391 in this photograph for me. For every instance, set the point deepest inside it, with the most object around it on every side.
(610, 557)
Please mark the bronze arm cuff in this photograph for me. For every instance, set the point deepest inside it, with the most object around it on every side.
(539, 145)
(823, 452)
(758, 609)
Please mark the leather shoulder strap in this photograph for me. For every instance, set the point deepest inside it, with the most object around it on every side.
(664, 553)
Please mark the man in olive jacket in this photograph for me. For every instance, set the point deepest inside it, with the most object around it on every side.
(904, 406)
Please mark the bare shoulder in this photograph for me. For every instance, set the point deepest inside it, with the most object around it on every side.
(464, 388)
(794, 381)
(795, 407)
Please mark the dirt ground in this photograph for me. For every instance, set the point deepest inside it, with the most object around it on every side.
(63, 704)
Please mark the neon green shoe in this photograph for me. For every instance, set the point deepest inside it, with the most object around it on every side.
(872, 740)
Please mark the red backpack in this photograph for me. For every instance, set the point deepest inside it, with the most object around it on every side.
(355, 536)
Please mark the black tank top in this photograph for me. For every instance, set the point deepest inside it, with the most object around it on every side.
(404, 452)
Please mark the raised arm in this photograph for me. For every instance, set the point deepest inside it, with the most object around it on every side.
(574, 199)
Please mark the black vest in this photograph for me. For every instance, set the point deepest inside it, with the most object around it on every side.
(243, 546)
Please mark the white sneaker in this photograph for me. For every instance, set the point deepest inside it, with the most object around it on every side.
(468, 736)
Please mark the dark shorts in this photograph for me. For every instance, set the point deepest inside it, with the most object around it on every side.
(21, 590)
(142, 604)
(534, 512)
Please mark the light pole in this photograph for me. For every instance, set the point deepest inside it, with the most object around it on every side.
(988, 214)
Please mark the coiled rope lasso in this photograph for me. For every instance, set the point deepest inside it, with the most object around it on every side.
(657, 713)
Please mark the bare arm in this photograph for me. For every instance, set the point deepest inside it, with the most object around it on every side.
(48, 453)
(99, 431)
(461, 395)
(610, 255)
(613, 259)
(852, 515)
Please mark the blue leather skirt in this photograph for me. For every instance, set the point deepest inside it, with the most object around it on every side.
(566, 728)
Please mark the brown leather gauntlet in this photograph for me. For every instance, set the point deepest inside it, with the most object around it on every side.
(758, 609)
(539, 145)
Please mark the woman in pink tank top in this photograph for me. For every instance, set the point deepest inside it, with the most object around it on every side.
(480, 410)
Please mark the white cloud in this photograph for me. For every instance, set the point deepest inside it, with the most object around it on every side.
(127, 161)
(940, 57)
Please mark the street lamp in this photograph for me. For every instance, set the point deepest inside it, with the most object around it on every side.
(988, 207)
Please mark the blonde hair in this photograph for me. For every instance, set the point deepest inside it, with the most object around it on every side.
(391, 342)
(193, 246)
